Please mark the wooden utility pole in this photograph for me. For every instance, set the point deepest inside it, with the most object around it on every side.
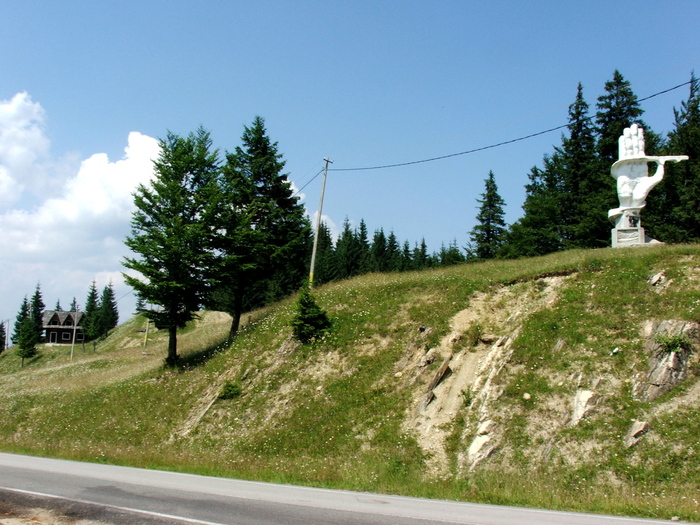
(318, 223)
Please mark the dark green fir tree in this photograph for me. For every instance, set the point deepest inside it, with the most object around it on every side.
(108, 312)
(27, 341)
(263, 235)
(3, 336)
(24, 313)
(488, 235)
(37, 312)
(673, 208)
(90, 321)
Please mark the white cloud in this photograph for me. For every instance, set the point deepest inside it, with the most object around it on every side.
(24, 147)
(332, 226)
(75, 235)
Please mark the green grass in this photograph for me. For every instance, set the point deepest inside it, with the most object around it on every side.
(334, 413)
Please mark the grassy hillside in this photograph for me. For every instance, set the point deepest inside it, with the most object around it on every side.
(366, 409)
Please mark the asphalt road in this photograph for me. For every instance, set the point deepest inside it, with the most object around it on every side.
(127, 495)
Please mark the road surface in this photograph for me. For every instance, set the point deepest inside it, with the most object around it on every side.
(125, 495)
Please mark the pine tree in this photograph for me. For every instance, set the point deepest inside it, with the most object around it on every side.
(406, 257)
(91, 322)
(618, 109)
(537, 232)
(577, 155)
(451, 254)
(107, 313)
(378, 253)
(420, 257)
(28, 339)
(325, 267)
(489, 234)
(73, 305)
(363, 246)
(58, 306)
(263, 233)
(310, 321)
(393, 253)
(172, 232)
(37, 312)
(347, 253)
(673, 211)
(24, 313)
(3, 336)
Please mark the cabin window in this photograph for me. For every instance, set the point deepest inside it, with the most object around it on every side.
(65, 336)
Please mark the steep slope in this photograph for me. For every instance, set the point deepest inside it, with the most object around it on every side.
(567, 381)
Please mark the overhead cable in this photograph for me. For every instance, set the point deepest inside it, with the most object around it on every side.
(442, 157)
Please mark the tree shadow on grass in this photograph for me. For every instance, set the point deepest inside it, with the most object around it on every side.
(198, 357)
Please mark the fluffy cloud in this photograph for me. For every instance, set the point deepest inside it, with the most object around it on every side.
(75, 235)
(24, 147)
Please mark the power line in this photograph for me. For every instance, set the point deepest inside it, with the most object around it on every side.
(305, 185)
(442, 157)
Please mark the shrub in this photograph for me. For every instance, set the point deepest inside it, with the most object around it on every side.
(230, 390)
(310, 321)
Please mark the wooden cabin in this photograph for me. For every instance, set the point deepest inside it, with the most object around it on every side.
(59, 327)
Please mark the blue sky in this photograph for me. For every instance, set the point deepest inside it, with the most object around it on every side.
(364, 83)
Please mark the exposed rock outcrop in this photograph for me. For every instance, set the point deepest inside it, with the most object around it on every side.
(583, 404)
(636, 431)
(669, 346)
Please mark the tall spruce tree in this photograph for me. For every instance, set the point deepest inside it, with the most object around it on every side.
(378, 254)
(393, 253)
(617, 109)
(578, 163)
(172, 232)
(363, 246)
(108, 312)
(24, 313)
(325, 267)
(263, 233)
(3, 336)
(673, 211)
(420, 257)
(489, 233)
(538, 231)
(406, 257)
(37, 312)
(347, 252)
(28, 339)
(91, 321)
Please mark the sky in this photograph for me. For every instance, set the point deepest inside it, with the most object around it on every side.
(87, 88)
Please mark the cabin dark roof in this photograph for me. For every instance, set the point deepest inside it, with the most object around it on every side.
(62, 316)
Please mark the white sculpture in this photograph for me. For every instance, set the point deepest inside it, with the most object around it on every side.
(633, 186)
